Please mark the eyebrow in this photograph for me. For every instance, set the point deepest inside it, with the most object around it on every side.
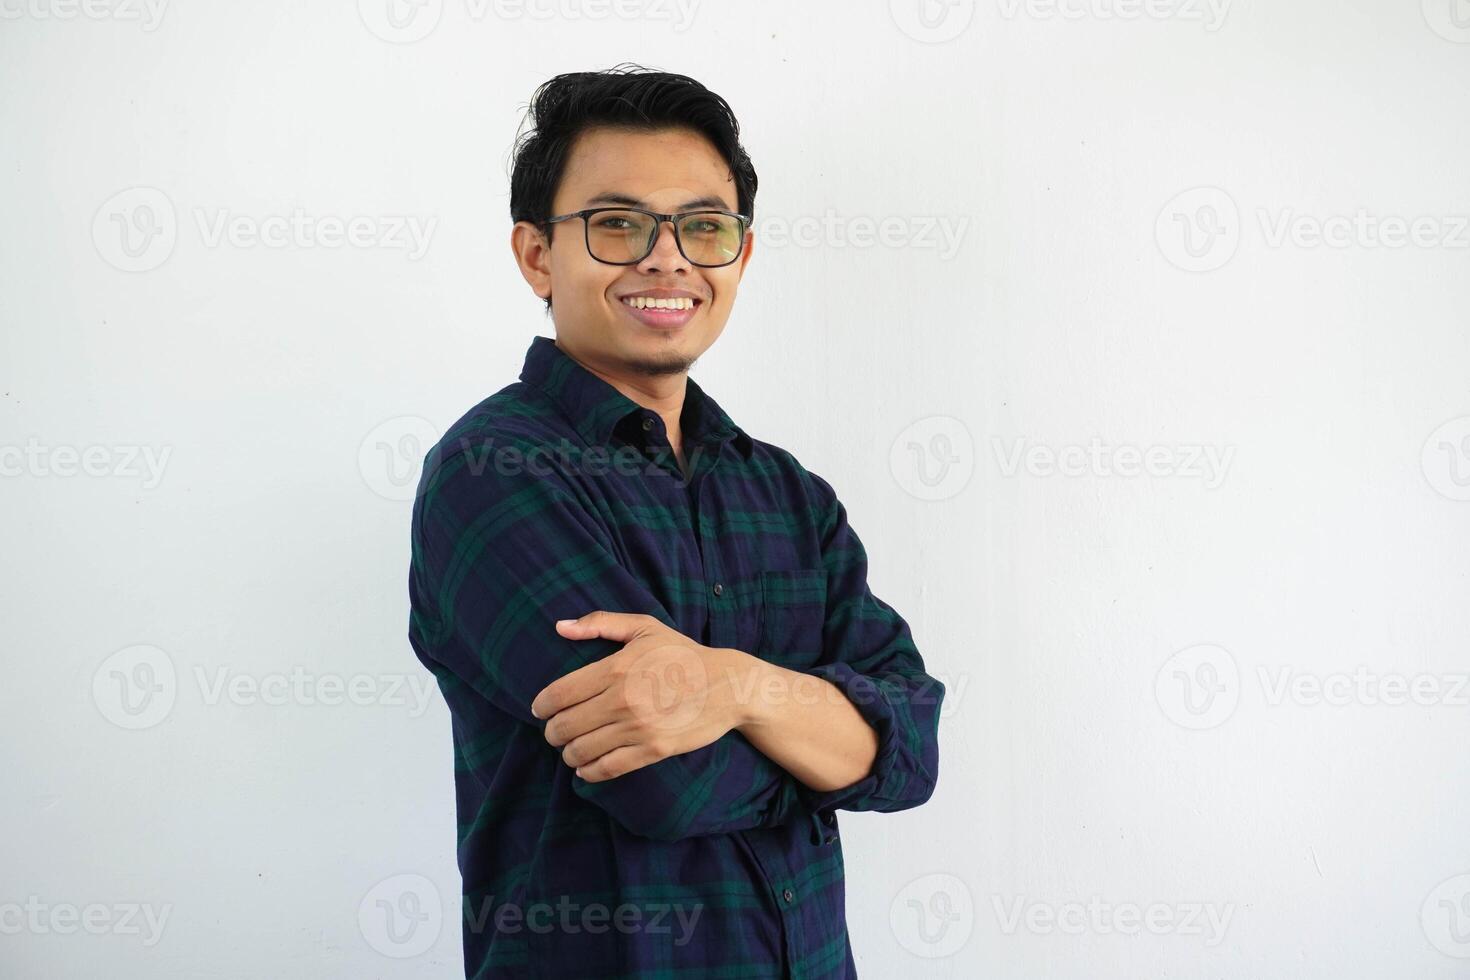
(708, 201)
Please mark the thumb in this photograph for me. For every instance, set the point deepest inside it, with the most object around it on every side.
(623, 627)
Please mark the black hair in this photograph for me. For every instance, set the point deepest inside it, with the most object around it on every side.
(626, 96)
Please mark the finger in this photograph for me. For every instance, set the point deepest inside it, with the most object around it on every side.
(619, 762)
(581, 718)
(622, 627)
(573, 688)
(595, 744)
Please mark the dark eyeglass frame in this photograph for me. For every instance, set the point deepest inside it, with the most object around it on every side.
(659, 219)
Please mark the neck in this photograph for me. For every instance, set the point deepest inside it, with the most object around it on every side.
(658, 391)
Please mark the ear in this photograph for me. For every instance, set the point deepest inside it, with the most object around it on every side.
(747, 253)
(533, 255)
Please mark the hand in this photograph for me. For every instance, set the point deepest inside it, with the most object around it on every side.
(661, 695)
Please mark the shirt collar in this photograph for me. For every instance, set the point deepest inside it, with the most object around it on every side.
(595, 407)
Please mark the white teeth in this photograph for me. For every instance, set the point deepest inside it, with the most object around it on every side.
(647, 303)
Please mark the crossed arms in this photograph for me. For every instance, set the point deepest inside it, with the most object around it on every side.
(670, 737)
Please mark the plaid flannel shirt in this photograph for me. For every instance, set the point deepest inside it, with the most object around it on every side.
(557, 496)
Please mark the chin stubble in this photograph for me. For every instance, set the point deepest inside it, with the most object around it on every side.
(659, 367)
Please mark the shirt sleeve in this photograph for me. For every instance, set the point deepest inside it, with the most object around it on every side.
(868, 653)
(498, 558)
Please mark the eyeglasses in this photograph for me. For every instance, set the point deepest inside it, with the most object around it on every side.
(625, 236)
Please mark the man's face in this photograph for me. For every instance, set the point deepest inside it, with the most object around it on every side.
(669, 170)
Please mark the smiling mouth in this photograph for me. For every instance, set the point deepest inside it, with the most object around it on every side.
(661, 313)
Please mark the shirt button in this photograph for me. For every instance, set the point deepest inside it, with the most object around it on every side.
(787, 894)
(647, 424)
(719, 589)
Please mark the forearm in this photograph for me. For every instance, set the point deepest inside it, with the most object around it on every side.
(804, 724)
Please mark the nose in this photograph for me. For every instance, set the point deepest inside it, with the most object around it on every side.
(665, 254)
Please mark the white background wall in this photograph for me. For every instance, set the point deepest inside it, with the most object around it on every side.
(1131, 734)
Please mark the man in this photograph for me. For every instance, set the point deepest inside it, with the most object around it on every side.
(665, 669)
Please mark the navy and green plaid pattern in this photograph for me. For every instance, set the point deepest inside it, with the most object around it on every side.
(557, 496)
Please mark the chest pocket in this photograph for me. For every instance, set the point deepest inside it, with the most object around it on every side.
(793, 612)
